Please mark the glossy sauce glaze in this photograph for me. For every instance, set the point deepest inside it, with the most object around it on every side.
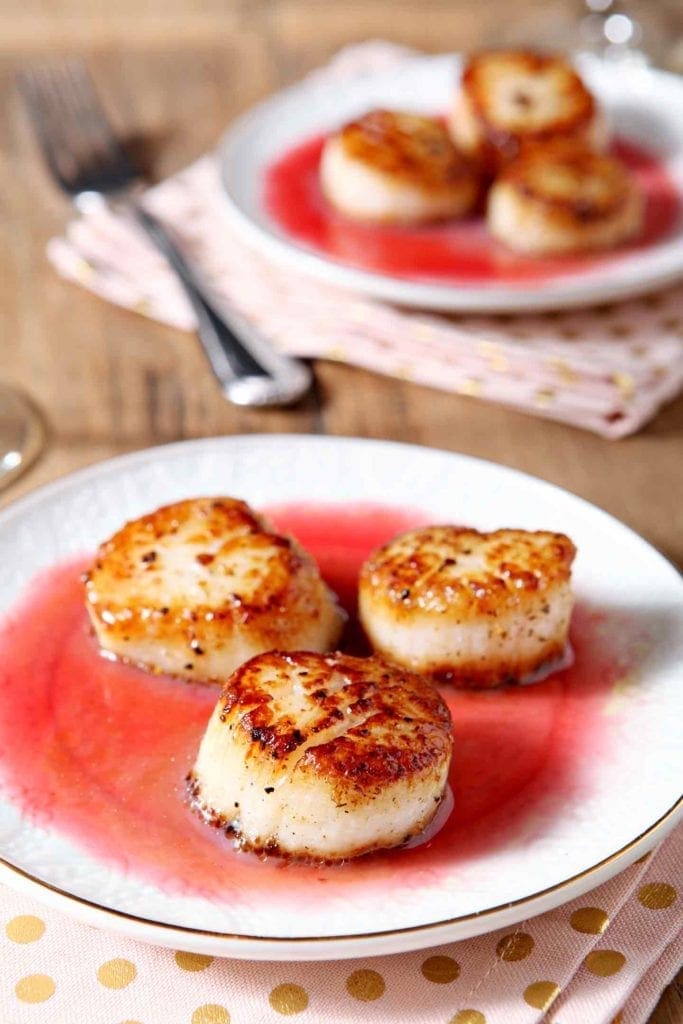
(100, 751)
(456, 251)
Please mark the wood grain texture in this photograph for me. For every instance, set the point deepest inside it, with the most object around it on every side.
(175, 72)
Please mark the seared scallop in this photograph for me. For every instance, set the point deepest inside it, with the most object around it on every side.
(397, 168)
(196, 588)
(323, 757)
(510, 99)
(563, 198)
(475, 609)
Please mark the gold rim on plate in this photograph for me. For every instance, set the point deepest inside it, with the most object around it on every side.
(302, 940)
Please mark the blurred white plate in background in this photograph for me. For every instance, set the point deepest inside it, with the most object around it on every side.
(643, 105)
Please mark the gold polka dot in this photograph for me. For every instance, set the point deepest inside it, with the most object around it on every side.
(515, 946)
(210, 1013)
(563, 370)
(288, 999)
(34, 988)
(335, 354)
(589, 920)
(604, 962)
(624, 384)
(192, 961)
(618, 1019)
(468, 1017)
(25, 928)
(404, 371)
(541, 994)
(116, 973)
(543, 397)
(440, 969)
(470, 386)
(657, 895)
(365, 985)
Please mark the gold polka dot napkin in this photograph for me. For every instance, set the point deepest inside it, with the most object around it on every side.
(608, 370)
(601, 959)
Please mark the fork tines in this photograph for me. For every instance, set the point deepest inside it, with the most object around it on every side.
(78, 142)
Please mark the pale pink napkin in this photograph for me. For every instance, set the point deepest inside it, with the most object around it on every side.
(602, 959)
(608, 370)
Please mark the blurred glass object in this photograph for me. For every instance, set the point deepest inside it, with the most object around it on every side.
(22, 433)
(616, 32)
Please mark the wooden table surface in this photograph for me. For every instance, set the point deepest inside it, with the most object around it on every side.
(175, 73)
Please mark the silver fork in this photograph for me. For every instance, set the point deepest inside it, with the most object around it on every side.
(89, 163)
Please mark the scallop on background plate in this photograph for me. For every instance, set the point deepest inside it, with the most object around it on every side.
(557, 785)
(269, 167)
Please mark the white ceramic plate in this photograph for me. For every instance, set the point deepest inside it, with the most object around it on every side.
(624, 779)
(643, 105)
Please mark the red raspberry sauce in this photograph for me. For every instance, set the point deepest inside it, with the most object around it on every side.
(454, 251)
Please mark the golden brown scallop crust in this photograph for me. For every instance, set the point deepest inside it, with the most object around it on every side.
(138, 598)
(405, 727)
(505, 129)
(411, 148)
(574, 186)
(369, 729)
(469, 608)
(411, 572)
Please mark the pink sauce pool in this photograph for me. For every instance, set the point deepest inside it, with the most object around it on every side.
(99, 751)
(455, 251)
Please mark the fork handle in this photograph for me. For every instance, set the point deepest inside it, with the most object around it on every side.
(249, 371)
